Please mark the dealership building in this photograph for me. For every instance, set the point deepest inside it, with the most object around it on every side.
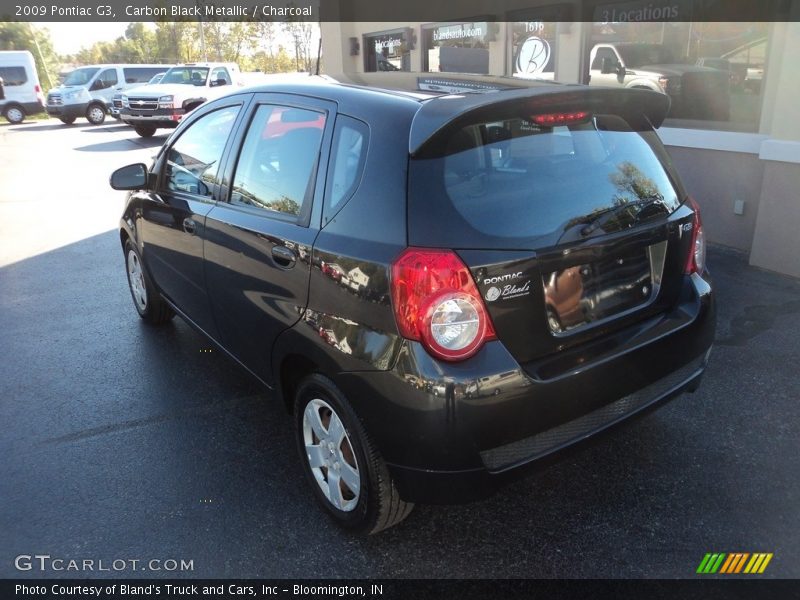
(734, 127)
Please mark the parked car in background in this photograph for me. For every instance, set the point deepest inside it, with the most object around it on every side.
(438, 310)
(87, 92)
(116, 102)
(22, 94)
(182, 89)
(748, 60)
(736, 73)
(696, 92)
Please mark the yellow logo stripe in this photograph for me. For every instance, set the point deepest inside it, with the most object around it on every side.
(765, 563)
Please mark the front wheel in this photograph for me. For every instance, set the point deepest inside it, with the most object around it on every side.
(347, 474)
(14, 115)
(145, 132)
(95, 114)
(148, 302)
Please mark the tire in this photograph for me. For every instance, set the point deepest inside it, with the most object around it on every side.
(144, 131)
(14, 114)
(148, 302)
(376, 504)
(67, 120)
(96, 114)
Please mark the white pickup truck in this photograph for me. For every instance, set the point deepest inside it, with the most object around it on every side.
(696, 92)
(182, 89)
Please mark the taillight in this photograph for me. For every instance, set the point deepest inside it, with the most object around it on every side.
(553, 119)
(696, 262)
(436, 302)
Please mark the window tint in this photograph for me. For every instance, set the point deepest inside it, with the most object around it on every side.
(277, 165)
(13, 75)
(601, 54)
(193, 161)
(347, 162)
(108, 78)
(514, 183)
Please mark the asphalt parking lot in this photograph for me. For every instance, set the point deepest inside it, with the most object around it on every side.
(124, 442)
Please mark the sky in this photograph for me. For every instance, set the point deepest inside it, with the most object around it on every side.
(68, 38)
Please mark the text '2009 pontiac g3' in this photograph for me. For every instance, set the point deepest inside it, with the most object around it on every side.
(445, 285)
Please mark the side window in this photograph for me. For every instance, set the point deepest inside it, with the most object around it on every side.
(108, 78)
(348, 155)
(602, 53)
(221, 73)
(140, 74)
(193, 160)
(13, 76)
(277, 167)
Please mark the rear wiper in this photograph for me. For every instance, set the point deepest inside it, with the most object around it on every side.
(604, 217)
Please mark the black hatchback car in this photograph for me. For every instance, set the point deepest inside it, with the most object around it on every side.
(444, 287)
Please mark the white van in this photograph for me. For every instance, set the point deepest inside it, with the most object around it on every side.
(89, 91)
(21, 93)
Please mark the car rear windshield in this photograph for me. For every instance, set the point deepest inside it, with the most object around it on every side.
(516, 184)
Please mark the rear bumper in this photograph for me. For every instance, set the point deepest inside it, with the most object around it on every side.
(456, 432)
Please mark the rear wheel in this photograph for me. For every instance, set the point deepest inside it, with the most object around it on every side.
(67, 120)
(345, 470)
(148, 302)
(145, 132)
(14, 114)
(95, 114)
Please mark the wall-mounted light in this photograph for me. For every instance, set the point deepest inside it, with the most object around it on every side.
(355, 46)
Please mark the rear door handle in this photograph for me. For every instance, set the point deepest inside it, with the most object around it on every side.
(284, 257)
(189, 226)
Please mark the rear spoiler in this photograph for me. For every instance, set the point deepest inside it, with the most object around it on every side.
(445, 114)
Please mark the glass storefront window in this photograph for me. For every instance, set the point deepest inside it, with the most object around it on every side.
(387, 51)
(457, 47)
(712, 71)
(533, 45)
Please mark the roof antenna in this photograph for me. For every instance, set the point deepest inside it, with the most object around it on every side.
(319, 53)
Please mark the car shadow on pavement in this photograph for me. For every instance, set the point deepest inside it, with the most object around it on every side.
(37, 125)
(107, 128)
(132, 143)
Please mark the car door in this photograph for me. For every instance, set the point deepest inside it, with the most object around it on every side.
(258, 242)
(104, 86)
(173, 221)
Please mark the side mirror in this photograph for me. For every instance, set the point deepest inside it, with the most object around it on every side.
(608, 66)
(218, 82)
(130, 177)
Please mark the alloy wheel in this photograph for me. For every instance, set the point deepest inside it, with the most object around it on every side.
(330, 455)
(136, 281)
